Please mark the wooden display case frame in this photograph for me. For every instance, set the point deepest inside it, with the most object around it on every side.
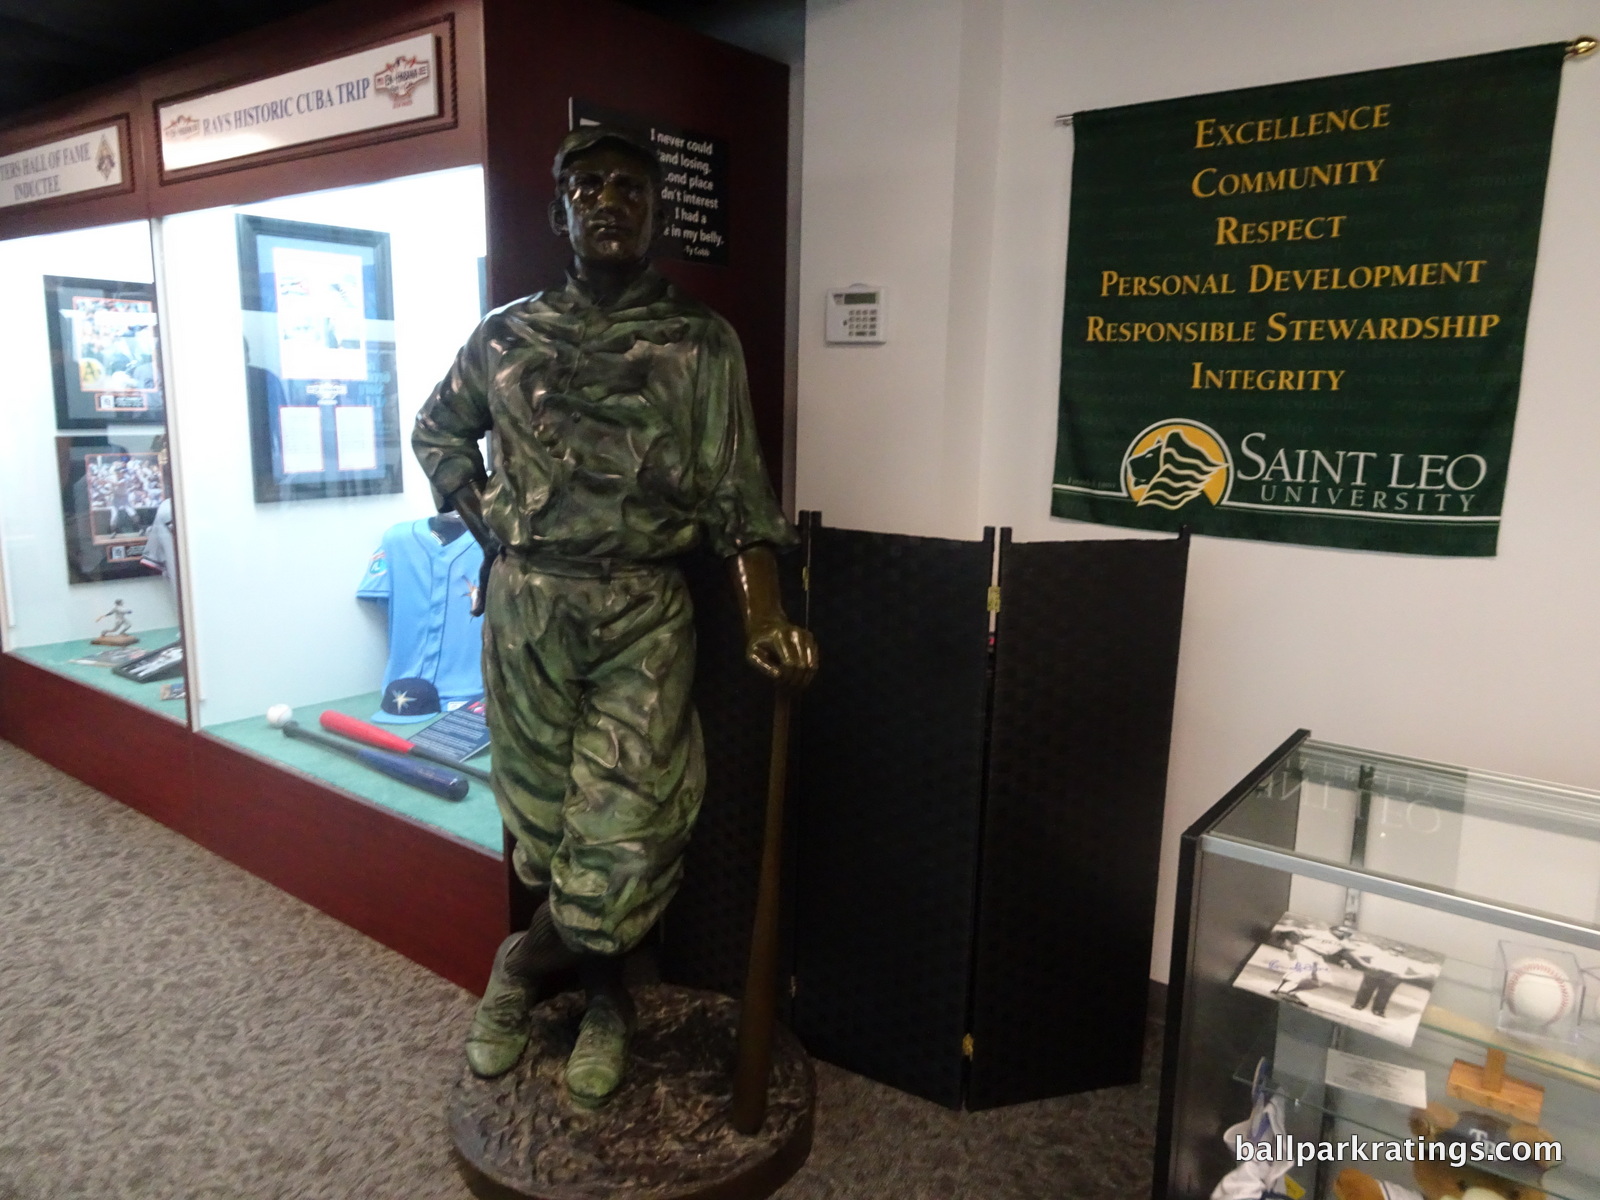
(508, 70)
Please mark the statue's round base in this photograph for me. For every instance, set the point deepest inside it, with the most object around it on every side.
(664, 1135)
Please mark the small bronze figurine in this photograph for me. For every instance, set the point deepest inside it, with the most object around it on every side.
(623, 438)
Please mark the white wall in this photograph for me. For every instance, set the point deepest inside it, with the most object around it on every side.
(876, 207)
(273, 585)
(42, 607)
(951, 426)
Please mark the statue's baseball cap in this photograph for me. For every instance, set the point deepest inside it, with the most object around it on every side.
(586, 137)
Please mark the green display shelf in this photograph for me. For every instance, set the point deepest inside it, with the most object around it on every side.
(474, 819)
(58, 657)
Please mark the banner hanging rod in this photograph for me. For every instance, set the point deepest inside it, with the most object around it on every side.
(1576, 48)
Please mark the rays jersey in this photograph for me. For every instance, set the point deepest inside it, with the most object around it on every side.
(429, 586)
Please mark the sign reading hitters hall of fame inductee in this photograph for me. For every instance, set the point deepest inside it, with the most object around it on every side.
(1296, 313)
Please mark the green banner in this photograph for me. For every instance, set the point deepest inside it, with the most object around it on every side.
(1296, 313)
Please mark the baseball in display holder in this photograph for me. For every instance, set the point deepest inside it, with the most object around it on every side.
(1541, 991)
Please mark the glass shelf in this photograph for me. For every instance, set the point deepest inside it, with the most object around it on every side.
(1464, 1006)
(1447, 865)
(1376, 1126)
(1438, 1045)
(1467, 1013)
(1377, 1121)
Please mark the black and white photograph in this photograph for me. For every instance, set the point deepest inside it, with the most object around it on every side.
(1371, 983)
(104, 352)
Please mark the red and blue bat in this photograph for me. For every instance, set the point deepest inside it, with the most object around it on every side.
(447, 785)
(358, 730)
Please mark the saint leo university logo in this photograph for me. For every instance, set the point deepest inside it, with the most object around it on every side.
(1173, 462)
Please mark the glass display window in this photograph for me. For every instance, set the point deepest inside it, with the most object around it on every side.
(305, 333)
(1385, 952)
(88, 527)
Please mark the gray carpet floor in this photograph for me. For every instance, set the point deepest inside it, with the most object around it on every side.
(172, 1028)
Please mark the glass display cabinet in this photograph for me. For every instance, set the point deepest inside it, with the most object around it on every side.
(298, 338)
(88, 531)
(305, 332)
(229, 285)
(1386, 961)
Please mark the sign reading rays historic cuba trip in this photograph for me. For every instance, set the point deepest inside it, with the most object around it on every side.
(393, 84)
(1296, 313)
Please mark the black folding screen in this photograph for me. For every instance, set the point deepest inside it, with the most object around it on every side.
(1086, 660)
(888, 788)
(974, 821)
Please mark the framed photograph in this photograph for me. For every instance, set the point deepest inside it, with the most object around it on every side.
(111, 488)
(103, 349)
(319, 360)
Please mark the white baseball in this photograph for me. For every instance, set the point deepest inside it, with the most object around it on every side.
(279, 715)
(1538, 990)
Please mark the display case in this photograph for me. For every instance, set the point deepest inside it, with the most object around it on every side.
(227, 285)
(306, 331)
(1387, 961)
(88, 528)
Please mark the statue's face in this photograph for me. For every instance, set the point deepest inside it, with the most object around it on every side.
(610, 206)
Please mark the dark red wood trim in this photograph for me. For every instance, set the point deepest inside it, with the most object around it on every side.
(455, 138)
(124, 144)
(452, 139)
(130, 753)
(443, 31)
(436, 899)
(540, 53)
(81, 210)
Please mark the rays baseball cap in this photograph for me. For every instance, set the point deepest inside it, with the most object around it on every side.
(409, 699)
(1499, 1136)
(586, 137)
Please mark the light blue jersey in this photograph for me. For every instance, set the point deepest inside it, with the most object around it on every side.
(430, 586)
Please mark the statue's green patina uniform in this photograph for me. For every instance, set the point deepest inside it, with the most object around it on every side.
(622, 438)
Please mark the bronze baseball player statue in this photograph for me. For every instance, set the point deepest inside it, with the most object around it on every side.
(622, 439)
